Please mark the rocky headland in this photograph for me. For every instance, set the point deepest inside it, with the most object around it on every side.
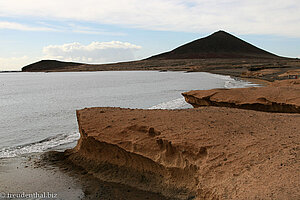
(201, 153)
(279, 96)
(224, 148)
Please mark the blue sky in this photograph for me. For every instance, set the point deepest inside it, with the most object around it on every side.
(105, 31)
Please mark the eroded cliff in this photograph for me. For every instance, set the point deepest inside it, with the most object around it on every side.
(208, 153)
(280, 96)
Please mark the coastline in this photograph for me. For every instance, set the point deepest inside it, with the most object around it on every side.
(256, 81)
(21, 175)
(46, 175)
(265, 69)
(205, 153)
(85, 182)
(266, 144)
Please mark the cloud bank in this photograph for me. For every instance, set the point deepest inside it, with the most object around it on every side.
(279, 17)
(95, 52)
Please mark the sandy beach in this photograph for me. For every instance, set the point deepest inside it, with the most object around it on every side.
(208, 152)
(21, 175)
(48, 176)
(149, 100)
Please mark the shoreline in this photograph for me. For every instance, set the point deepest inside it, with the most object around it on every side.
(48, 173)
(63, 171)
(98, 133)
(21, 175)
(256, 81)
(265, 69)
(259, 77)
(229, 156)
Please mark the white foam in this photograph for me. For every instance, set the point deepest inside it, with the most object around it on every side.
(228, 83)
(233, 83)
(173, 104)
(40, 146)
(222, 77)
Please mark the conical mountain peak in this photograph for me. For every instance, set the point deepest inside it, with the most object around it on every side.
(217, 45)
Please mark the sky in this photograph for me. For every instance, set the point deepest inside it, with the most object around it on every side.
(107, 31)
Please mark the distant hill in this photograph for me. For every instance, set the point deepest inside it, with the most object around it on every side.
(45, 65)
(218, 49)
(217, 45)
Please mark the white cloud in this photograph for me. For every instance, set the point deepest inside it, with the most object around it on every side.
(50, 27)
(22, 27)
(280, 17)
(95, 52)
(88, 30)
(15, 63)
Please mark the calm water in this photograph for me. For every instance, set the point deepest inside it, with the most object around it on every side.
(38, 109)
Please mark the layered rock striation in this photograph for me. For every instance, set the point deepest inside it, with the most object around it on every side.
(280, 96)
(208, 153)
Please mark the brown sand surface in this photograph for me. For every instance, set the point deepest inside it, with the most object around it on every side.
(202, 153)
(280, 96)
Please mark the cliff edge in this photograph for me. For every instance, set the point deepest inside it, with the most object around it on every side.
(280, 96)
(207, 153)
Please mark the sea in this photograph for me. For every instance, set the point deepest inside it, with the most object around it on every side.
(38, 110)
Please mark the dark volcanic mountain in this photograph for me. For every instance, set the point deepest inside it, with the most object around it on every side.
(218, 45)
(45, 65)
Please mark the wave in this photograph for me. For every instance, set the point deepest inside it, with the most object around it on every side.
(64, 139)
(40, 146)
(228, 83)
(222, 77)
(173, 104)
(236, 83)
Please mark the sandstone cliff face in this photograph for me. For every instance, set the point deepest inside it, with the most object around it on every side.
(280, 96)
(208, 153)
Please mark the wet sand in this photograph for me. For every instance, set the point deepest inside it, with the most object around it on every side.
(20, 174)
(48, 174)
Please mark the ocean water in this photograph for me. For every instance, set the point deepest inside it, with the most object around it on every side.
(38, 110)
